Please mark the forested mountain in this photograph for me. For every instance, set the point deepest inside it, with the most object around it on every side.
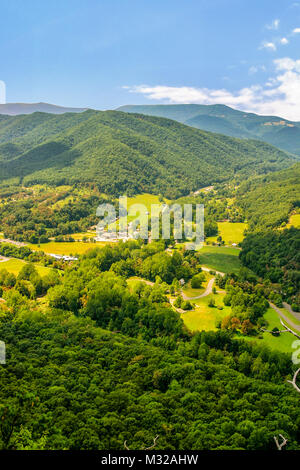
(268, 200)
(13, 109)
(107, 361)
(275, 255)
(71, 385)
(225, 120)
(124, 152)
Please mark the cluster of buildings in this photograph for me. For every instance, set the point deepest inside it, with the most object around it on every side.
(114, 236)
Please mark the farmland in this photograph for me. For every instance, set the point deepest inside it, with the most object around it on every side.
(205, 317)
(230, 232)
(15, 265)
(224, 259)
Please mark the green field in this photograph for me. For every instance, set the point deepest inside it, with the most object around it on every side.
(230, 232)
(146, 199)
(81, 235)
(205, 317)
(65, 248)
(190, 292)
(294, 221)
(15, 265)
(220, 258)
(290, 316)
(281, 343)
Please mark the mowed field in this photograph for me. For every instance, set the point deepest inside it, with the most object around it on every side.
(230, 232)
(65, 248)
(82, 235)
(220, 258)
(205, 317)
(282, 343)
(14, 266)
(146, 199)
(294, 221)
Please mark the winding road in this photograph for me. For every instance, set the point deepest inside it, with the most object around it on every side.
(207, 291)
(289, 308)
(284, 317)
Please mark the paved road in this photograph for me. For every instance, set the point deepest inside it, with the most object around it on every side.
(207, 291)
(284, 317)
(289, 308)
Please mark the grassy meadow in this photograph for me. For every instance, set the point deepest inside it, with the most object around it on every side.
(231, 232)
(282, 343)
(14, 266)
(294, 221)
(220, 258)
(65, 248)
(205, 317)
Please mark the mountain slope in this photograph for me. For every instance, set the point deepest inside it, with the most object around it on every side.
(13, 109)
(222, 119)
(268, 200)
(124, 152)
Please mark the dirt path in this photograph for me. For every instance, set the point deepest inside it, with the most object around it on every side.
(285, 318)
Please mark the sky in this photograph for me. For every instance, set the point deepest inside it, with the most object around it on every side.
(106, 53)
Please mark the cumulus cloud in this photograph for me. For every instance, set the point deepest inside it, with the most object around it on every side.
(284, 41)
(296, 30)
(279, 96)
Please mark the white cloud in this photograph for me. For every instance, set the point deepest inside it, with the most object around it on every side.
(284, 41)
(268, 45)
(274, 24)
(279, 96)
(296, 31)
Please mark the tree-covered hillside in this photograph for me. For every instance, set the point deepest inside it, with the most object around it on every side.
(105, 360)
(275, 130)
(267, 201)
(124, 152)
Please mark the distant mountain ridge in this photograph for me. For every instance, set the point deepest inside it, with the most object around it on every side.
(222, 119)
(122, 152)
(14, 109)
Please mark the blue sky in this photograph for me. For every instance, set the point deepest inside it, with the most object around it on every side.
(106, 53)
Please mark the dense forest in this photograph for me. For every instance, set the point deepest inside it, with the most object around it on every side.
(219, 118)
(276, 256)
(125, 152)
(268, 201)
(106, 362)
(36, 214)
